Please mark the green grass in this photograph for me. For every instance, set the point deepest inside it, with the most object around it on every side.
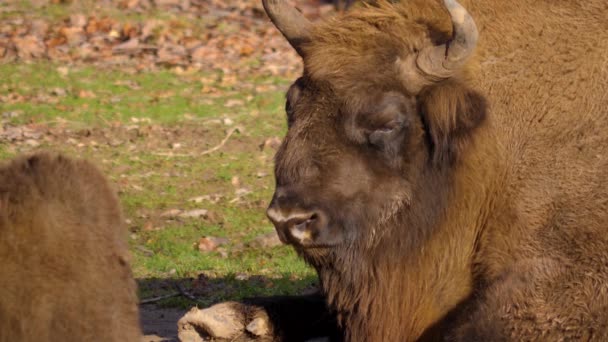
(89, 95)
(150, 183)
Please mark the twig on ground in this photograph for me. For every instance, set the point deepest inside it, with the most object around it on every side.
(171, 154)
(61, 121)
(183, 292)
(159, 298)
(211, 150)
(180, 292)
(222, 143)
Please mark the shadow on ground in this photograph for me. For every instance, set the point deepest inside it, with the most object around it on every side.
(163, 301)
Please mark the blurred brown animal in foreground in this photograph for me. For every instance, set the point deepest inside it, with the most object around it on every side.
(344, 5)
(64, 263)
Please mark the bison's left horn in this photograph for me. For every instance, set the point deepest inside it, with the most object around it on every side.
(443, 61)
(292, 24)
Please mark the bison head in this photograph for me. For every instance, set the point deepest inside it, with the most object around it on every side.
(380, 116)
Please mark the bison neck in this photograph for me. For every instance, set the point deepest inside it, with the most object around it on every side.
(420, 269)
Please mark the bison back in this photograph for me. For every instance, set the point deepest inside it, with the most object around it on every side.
(64, 268)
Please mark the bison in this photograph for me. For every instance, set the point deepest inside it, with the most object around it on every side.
(445, 171)
(344, 5)
(64, 263)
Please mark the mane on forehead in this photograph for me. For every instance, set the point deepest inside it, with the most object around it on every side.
(356, 52)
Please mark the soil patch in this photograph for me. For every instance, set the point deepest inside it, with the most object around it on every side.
(159, 324)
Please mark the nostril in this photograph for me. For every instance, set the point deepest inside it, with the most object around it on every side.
(295, 225)
(302, 220)
(303, 224)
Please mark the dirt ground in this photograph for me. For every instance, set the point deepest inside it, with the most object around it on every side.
(159, 324)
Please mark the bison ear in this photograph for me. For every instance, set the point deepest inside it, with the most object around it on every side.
(451, 112)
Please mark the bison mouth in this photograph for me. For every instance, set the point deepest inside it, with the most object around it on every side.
(307, 235)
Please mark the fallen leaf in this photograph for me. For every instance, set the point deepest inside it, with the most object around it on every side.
(73, 35)
(208, 244)
(241, 276)
(242, 192)
(171, 54)
(235, 181)
(247, 50)
(233, 103)
(114, 34)
(29, 47)
(261, 174)
(78, 20)
(60, 92)
(63, 70)
(129, 47)
(133, 85)
(273, 143)
(32, 143)
(86, 94)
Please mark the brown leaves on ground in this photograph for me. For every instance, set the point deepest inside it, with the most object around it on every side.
(210, 243)
(231, 36)
(140, 135)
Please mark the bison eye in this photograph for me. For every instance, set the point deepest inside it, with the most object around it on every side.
(291, 99)
(386, 136)
(386, 122)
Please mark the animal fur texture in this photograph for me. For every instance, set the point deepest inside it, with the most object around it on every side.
(64, 263)
(469, 207)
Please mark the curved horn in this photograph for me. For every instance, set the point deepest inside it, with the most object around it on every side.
(443, 60)
(292, 24)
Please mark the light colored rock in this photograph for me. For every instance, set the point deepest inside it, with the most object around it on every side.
(189, 335)
(196, 213)
(171, 213)
(219, 321)
(259, 326)
(32, 143)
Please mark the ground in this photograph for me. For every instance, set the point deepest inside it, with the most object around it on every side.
(180, 103)
(159, 323)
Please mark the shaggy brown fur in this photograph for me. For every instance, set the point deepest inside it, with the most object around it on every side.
(473, 210)
(64, 263)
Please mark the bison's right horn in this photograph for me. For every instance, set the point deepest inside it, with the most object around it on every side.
(292, 24)
(443, 61)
